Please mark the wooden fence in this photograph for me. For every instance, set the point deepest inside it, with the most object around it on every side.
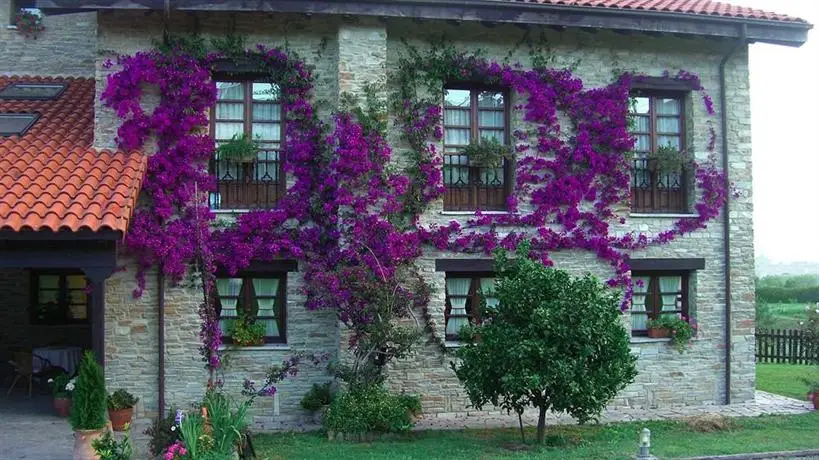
(787, 346)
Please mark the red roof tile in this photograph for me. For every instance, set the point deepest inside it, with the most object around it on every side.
(698, 7)
(52, 179)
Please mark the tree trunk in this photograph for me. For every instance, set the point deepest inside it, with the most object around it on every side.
(520, 422)
(541, 424)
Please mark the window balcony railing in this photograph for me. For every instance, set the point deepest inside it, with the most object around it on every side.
(256, 183)
(655, 191)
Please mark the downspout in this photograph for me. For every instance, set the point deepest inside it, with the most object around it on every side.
(160, 280)
(726, 227)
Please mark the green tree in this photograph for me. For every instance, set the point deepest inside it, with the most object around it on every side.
(554, 342)
(89, 400)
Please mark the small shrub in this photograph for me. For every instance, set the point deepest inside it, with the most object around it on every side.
(371, 409)
(710, 423)
(318, 397)
(246, 332)
(121, 399)
(161, 433)
(59, 385)
(89, 399)
(109, 449)
(228, 425)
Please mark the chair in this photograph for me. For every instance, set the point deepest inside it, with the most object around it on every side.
(23, 363)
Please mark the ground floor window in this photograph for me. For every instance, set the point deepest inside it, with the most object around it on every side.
(656, 294)
(59, 298)
(259, 297)
(464, 292)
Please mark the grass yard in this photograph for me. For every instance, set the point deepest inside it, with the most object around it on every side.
(614, 441)
(786, 315)
(785, 379)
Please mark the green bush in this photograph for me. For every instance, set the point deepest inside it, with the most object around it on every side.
(89, 398)
(121, 399)
(318, 396)
(554, 341)
(161, 433)
(228, 425)
(109, 449)
(370, 409)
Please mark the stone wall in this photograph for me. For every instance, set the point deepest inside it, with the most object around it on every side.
(351, 54)
(65, 48)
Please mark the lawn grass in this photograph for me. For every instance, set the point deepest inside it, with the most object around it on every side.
(786, 315)
(613, 441)
(785, 379)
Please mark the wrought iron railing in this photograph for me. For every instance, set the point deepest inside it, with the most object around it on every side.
(656, 191)
(255, 183)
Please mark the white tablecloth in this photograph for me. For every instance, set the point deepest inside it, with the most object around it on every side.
(66, 357)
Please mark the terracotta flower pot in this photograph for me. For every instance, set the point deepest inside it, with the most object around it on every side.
(121, 418)
(82, 444)
(813, 397)
(62, 405)
(658, 332)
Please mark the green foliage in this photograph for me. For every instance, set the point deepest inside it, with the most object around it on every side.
(89, 399)
(810, 326)
(121, 399)
(371, 409)
(554, 342)
(228, 424)
(240, 147)
(161, 433)
(191, 44)
(371, 114)
(787, 294)
(669, 160)
(108, 448)
(788, 281)
(320, 395)
(231, 45)
(192, 433)
(681, 331)
(58, 383)
(245, 331)
(764, 315)
(487, 153)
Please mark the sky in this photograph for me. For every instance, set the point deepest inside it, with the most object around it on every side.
(784, 128)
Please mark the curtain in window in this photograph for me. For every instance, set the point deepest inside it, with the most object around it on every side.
(638, 303)
(488, 288)
(669, 287)
(267, 287)
(457, 287)
(228, 289)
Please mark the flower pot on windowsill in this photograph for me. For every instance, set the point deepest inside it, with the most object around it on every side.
(249, 343)
(62, 405)
(659, 332)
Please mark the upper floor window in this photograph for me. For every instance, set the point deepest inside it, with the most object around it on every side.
(248, 110)
(463, 299)
(469, 115)
(59, 298)
(658, 183)
(655, 294)
(258, 298)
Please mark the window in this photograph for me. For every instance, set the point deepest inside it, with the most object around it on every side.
(59, 298)
(658, 124)
(655, 294)
(469, 115)
(33, 91)
(251, 109)
(463, 298)
(16, 124)
(260, 297)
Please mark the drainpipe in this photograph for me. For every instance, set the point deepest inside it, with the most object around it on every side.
(726, 228)
(160, 280)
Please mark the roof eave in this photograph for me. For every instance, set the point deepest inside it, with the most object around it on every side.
(789, 33)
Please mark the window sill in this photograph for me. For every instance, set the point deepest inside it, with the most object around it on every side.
(472, 213)
(230, 211)
(663, 215)
(454, 344)
(265, 347)
(640, 339)
(11, 27)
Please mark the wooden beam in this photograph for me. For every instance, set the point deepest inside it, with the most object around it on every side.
(464, 265)
(667, 264)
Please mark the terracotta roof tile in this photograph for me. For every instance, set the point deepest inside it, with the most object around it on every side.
(52, 179)
(697, 7)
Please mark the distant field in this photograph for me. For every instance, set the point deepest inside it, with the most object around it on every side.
(785, 315)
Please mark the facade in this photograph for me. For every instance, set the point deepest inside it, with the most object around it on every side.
(706, 275)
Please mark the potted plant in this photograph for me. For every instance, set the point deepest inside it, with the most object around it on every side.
(813, 392)
(62, 386)
(121, 409)
(486, 153)
(318, 399)
(669, 160)
(246, 332)
(29, 22)
(88, 407)
(671, 325)
(241, 148)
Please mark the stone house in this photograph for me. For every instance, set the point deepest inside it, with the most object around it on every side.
(66, 193)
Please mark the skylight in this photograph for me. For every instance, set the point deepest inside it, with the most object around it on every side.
(33, 91)
(16, 124)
